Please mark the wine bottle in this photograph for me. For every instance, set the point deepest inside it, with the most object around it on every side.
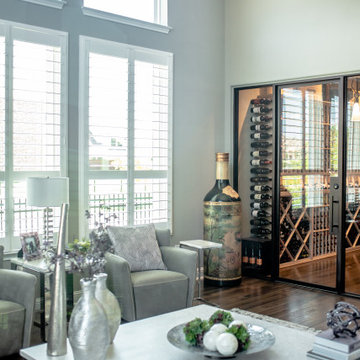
(260, 144)
(258, 162)
(260, 205)
(252, 259)
(259, 213)
(260, 231)
(260, 222)
(260, 118)
(258, 101)
(260, 135)
(260, 110)
(222, 199)
(260, 188)
(245, 258)
(261, 153)
(260, 196)
(259, 260)
(260, 179)
(260, 171)
(260, 127)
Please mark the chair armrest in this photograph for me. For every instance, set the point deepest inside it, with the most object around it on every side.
(183, 261)
(1, 256)
(119, 283)
(19, 287)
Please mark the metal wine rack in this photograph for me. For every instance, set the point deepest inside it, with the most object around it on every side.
(261, 107)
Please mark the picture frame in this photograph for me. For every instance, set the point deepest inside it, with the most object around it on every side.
(30, 244)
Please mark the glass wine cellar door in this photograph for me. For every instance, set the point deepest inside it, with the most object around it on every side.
(351, 238)
(310, 188)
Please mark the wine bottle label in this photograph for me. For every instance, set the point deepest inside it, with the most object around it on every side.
(245, 259)
(257, 206)
(218, 230)
(257, 136)
(255, 162)
(257, 188)
(259, 262)
(228, 190)
(256, 153)
(257, 196)
(255, 213)
(256, 110)
(252, 260)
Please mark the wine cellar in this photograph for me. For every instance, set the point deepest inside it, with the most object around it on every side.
(297, 171)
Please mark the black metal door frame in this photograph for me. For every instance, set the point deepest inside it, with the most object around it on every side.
(342, 171)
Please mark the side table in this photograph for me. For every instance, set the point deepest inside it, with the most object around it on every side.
(199, 246)
(40, 268)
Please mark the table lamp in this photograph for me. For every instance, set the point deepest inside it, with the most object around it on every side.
(47, 192)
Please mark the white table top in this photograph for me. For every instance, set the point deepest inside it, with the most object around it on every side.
(147, 339)
(200, 244)
(38, 265)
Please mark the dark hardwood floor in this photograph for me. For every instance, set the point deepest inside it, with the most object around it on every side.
(323, 272)
(280, 300)
(284, 301)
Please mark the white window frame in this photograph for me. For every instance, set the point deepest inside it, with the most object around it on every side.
(160, 23)
(87, 45)
(57, 4)
(17, 31)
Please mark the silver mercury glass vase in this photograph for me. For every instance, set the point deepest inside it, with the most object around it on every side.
(89, 334)
(111, 306)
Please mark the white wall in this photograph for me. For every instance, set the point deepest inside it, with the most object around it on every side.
(197, 41)
(275, 40)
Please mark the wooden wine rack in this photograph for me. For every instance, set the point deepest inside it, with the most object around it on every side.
(315, 242)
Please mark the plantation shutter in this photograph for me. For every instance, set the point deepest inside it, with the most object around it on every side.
(2, 135)
(32, 122)
(128, 146)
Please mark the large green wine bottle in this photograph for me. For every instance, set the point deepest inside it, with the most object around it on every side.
(222, 215)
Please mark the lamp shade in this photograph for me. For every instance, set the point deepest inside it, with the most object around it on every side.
(47, 192)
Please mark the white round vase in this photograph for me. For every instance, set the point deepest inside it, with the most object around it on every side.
(110, 304)
(88, 332)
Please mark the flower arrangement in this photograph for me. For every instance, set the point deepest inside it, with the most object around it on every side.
(86, 256)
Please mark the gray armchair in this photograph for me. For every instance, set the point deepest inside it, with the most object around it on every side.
(148, 293)
(17, 300)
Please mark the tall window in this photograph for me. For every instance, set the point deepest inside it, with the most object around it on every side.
(153, 11)
(126, 129)
(32, 121)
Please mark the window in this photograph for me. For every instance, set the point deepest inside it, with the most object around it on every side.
(126, 132)
(32, 121)
(148, 14)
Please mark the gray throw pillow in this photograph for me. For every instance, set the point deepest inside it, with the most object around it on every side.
(138, 246)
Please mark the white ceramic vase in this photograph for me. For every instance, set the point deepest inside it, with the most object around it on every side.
(110, 304)
(88, 333)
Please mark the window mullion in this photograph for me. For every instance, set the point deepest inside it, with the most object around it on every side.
(157, 9)
(83, 137)
(9, 202)
(131, 139)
